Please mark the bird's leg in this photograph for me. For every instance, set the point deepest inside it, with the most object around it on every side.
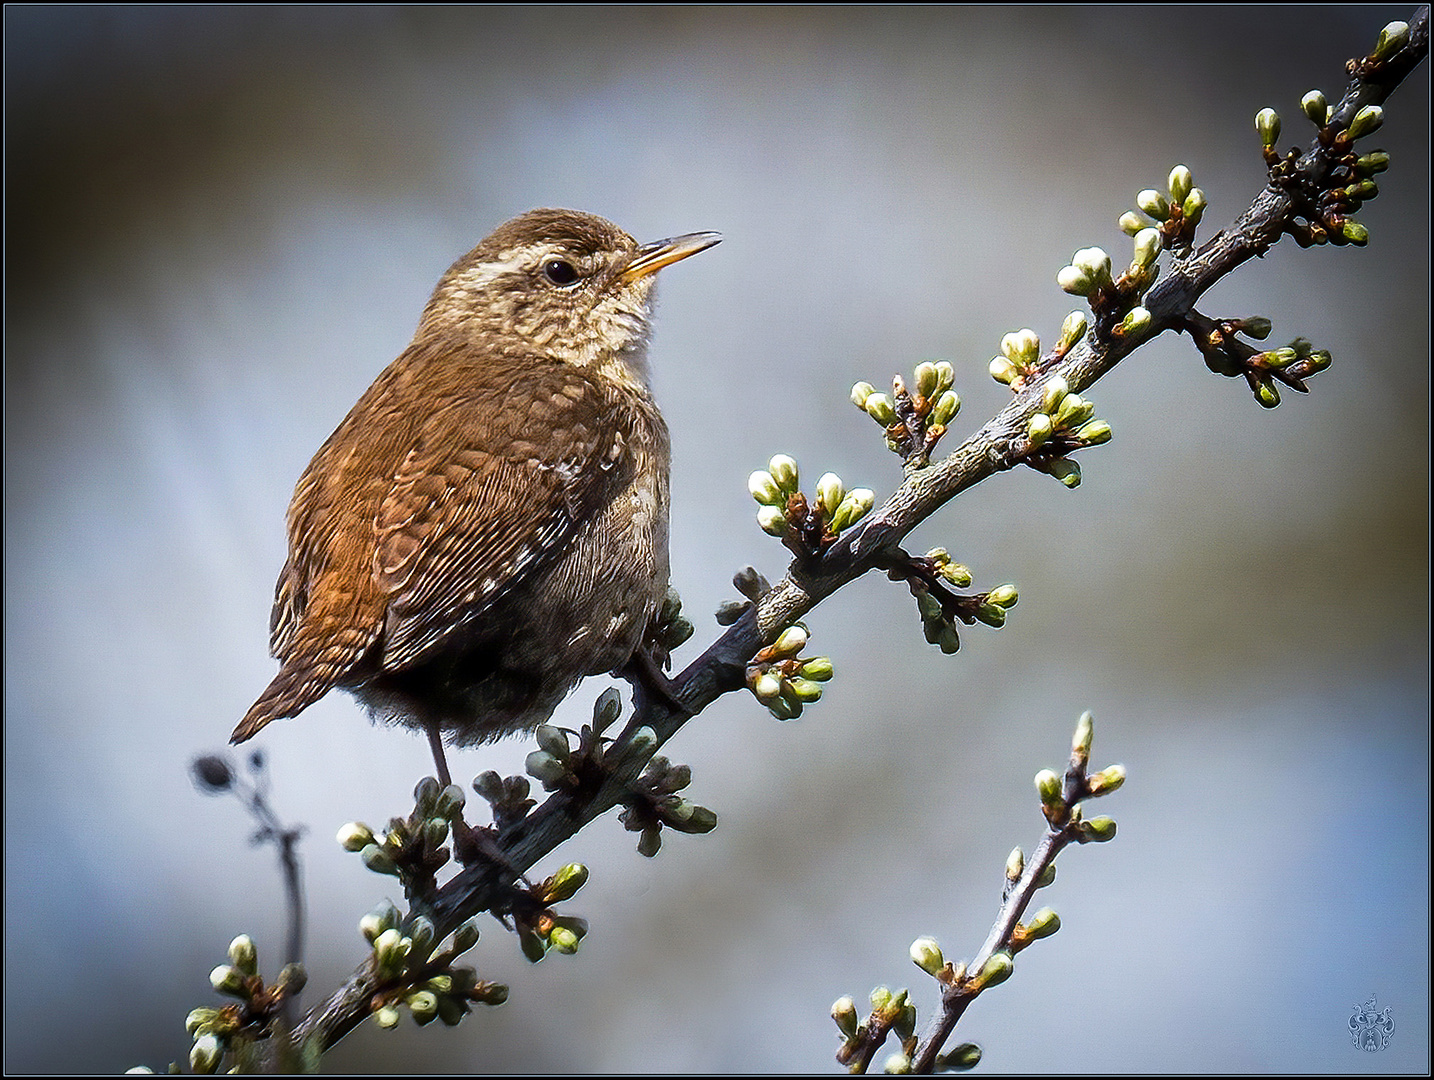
(470, 843)
(645, 674)
(440, 759)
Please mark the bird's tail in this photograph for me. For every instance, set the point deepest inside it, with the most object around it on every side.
(293, 690)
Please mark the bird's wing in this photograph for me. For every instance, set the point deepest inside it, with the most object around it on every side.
(486, 497)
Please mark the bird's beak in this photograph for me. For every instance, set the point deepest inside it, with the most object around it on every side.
(654, 256)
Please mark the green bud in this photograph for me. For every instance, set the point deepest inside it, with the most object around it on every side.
(1154, 204)
(1137, 321)
(649, 842)
(860, 392)
(1372, 164)
(1147, 247)
(945, 375)
(465, 937)
(764, 488)
(1257, 327)
(1094, 263)
(956, 574)
(1099, 829)
(1280, 358)
(926, 955)
(996, 970)
(1094, 433)
(386, 1016)
(355, 836)
(926, 379)
(960, 1059)
(818, 668)
(1072, 330)
(1084, 734)
(1315, 107)
(1318, 360)
(1023, 347)
(1015, 865)
(1194, 206)
(880, 409)
(421, 934)
(784, 471)
(243, 954)
(1266, 394)
(1267, 124)
(423, 1004)
(880, 998)
(844, 1013)
(546, 769)
(772, 521)
(491, 993)
(1048, 877)
(1391, 39)
(642, 744)
(1003, 371)
(1066, 471)
(1043, 924)
(206, 1054)
(991, 615)
(948, 404)
(1180, 181)
(1354, 232)
(378, 920)
(830, 492)
(552, 739)
(425, 793)
(1048, 787)
(1073, 411)
(1075, 281)
(1003, 596)
(1039, 429)
(1366, 122)
(564, 940)
(702, 820)
(391, 949)
(565, 883)
(1131, 222)
(853, 508)
(1056, 389)
(228, 979)
(806, 690)
(451, 801)
(1107, 780)
(947, 638)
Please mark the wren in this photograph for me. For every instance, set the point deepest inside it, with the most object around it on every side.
(489, 523)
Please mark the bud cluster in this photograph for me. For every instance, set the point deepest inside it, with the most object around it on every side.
(420, 977)
(412, 849)
(915, 418)
(1225, 354)
(891, 1012)
(541, 929)
(1063, 422)
(1163, 219)
(783, 681)
(218, 1031)
(1113, 301)
(807, 528)
(653, 802)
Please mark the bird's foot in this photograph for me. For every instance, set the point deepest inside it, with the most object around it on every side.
(645, 674)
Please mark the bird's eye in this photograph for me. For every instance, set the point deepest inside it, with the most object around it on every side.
(560, 271)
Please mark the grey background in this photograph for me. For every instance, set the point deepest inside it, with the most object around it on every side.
(222, 224)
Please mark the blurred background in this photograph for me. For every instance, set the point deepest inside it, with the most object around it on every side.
(221, 224)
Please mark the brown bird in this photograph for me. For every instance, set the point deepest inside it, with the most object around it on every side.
(488, 525)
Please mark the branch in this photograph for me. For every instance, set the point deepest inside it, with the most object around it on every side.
(1001, 444)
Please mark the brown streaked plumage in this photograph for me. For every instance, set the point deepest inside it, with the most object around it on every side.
(488, 525)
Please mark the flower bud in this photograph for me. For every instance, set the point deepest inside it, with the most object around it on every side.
(926, 379)
(1099, 829)
(805, 690)
(830, 492)
(853, 508)
(1266, 394)
(896, 1064)
(1073, 328)
(784, 471)
(1039, 429)
(1094, 433)
(391, 949)
(948, 404)
(945, 375)
(425, 793)
(355, 836)
(772, 521)
(844, 1013)
(960, 1058)
(1075, 281)
(1048, 787)
(228, 979)
(1073, 411)
(206, 1054)
(1180, 182)
(1023, 347)
(546, 769)
(552, 739)
(1391, 39)
(860, 392)
(1107, 780)
(1372, 164)
(1003, 596)
(996, 970)
(1267, 124)
(956, 574)
(564, 940)
(926, 955)
(1354, 232)
(1015, 865)
(1154, 204)
(1084, 735)
(1003, 371)
(1315, 107)
(386, 1016)
(764, 489)
(1257, 327)
(1194, 206)
(880, 409)
(1094, 263)
(1056, 389)
(1147, 247)
(1043, 924)
(1137, 321)
(421, 934)
(1066, 471)
(423, 1004)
